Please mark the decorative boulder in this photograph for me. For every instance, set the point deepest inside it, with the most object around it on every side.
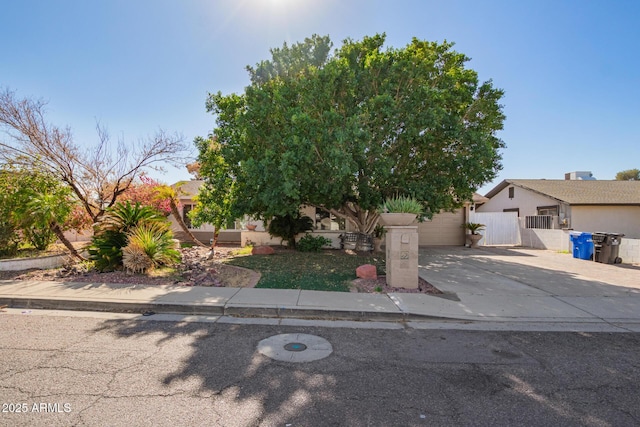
(367, 271)
(262, 250)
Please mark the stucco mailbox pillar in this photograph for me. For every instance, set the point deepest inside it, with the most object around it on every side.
(402, 256)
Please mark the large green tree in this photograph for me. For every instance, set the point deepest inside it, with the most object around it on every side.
(628, 175)
(36, 204)
(344, 131)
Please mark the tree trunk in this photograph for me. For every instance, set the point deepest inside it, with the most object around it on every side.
(364, 221)
(181, 223)
(216, 234)
(60, 234)
(214, 242)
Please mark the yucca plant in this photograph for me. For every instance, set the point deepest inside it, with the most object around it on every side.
(111, 233)
(155, 240)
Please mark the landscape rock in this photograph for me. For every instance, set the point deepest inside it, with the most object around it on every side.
(367, 271)
(262, 250)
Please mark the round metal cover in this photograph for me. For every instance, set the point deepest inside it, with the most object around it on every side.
(295, 347)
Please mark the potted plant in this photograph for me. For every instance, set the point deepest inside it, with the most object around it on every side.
(399, 210)
(474, 237)
(249, 224)
(378, 234)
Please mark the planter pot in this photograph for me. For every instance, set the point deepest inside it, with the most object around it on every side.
(251, 227)
(473, 239)
(397, 219)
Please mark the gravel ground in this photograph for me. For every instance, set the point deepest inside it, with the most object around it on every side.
(194, 270)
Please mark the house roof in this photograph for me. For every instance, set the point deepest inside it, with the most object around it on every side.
(479, 198)
(579, 192)
(188, 189)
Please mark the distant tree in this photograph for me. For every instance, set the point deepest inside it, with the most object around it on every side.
(145, 192)
(215, 200)
(345, 131)
(96, 175)
(628, 175)
(170, 195)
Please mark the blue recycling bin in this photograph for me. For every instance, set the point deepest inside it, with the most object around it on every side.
(582, 244)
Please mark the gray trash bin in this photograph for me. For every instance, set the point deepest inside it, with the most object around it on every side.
(607, 247)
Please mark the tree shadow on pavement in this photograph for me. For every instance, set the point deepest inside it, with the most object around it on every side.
(399, 377)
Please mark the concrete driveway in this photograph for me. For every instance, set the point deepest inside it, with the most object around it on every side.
(506, 283)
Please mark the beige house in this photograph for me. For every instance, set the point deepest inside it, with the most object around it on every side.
(583, 205)
(444, 229)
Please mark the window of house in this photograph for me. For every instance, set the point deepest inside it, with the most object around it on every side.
(548, 210)
(326, 221)
(511, 192)
(185, 210)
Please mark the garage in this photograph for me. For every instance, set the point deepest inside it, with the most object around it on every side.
(443, 230)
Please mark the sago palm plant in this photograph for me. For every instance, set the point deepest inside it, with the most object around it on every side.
(111, 233)
(155, 242)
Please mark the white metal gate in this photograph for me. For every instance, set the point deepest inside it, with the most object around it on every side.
(501, 228)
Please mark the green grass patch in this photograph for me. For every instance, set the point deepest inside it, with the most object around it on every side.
(242, 251)
(328, 270)
(166, 272)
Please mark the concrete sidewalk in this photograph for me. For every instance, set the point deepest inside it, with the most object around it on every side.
(480, 285)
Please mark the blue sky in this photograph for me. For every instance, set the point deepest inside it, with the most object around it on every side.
(570, 69)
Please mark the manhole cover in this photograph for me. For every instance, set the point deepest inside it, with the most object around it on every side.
(295, 347)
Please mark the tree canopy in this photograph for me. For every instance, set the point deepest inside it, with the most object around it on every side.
(35, 207)
(344, 131)
(215, 198)
(628, 175)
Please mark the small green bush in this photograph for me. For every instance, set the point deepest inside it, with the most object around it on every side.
(288, 226)
(41, 237)
(9, 239)
(309, 243)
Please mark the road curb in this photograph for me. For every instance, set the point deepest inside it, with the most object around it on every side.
(216, 310)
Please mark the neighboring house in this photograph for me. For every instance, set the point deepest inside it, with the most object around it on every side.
(579, 204)
(444, 229)
(186, 191)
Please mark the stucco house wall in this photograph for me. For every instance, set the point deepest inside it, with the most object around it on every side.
(525, 200)
(613, 219)
(443, 229)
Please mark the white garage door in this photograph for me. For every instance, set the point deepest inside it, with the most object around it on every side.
(444, 229)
